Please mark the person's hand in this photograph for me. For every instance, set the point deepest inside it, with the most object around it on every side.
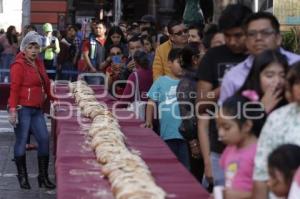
(147, 125)
(54, 99)
(208, 172)
(288, 96)
(217, 92)
(131, 65)
(53, 46)
(74, 61)
(271, 98)
(12, 118)
(93, 70)
(108, 60)
(116, 69)
(58, 67)
(195, 149)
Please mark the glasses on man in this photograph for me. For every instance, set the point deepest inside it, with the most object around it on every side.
(182, 32)
(264, 33)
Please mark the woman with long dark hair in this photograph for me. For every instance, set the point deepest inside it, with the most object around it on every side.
(186, 96)
(149, 48)
(281, 127)
(115, 36)
(266, 79)
(9, 46)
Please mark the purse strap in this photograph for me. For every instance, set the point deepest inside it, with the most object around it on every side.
(43, 82)
(137, 96)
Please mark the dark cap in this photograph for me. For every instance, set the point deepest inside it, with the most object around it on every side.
(147, 19)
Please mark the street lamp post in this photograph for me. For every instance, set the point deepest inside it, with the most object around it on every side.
(256, 5)
(26, 7)
(117, 11)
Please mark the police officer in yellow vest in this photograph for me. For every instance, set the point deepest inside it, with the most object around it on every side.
(50, 49)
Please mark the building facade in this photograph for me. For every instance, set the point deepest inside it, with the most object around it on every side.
(11, 14)
(62, 12)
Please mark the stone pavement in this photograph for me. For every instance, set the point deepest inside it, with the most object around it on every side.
(9, 187)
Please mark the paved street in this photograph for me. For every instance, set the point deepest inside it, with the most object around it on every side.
(9, 187)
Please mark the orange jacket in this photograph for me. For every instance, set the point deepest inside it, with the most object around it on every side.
(160, 63)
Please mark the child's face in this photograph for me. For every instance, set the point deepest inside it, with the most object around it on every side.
(147, 46)
(134, 46)
(277, 183)
(193, 36)
(228, 129)
(175, 68)
(292, 93)
(273, 76)
(296, 92)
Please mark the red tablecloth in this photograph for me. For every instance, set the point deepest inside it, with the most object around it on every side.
(4, 95)
(79, 175)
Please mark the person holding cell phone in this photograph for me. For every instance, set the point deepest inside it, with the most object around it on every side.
(136, 43)
(115, 62)
(140, 79)
(50, 49)
(68, 56)
(115, 36)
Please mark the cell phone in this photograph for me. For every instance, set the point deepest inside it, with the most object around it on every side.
(53, 41)
(210, 187)
(116, 59)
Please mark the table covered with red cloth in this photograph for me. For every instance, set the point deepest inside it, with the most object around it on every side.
(78, 175)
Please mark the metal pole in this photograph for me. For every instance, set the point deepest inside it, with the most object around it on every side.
(256, 5)
(152, 7)
(26, 7)
(117, 11)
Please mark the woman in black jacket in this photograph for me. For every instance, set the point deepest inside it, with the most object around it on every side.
(186, 96)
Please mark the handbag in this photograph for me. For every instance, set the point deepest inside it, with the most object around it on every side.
(137, 106)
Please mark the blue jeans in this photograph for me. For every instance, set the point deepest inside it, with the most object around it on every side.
(217, 171)
(33, 119)
(180, 149)
(6, 60)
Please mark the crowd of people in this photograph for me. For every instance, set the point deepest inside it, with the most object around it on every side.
(224, 97)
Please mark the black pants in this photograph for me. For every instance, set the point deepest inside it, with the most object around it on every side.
(197, 168)
(49, 66)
